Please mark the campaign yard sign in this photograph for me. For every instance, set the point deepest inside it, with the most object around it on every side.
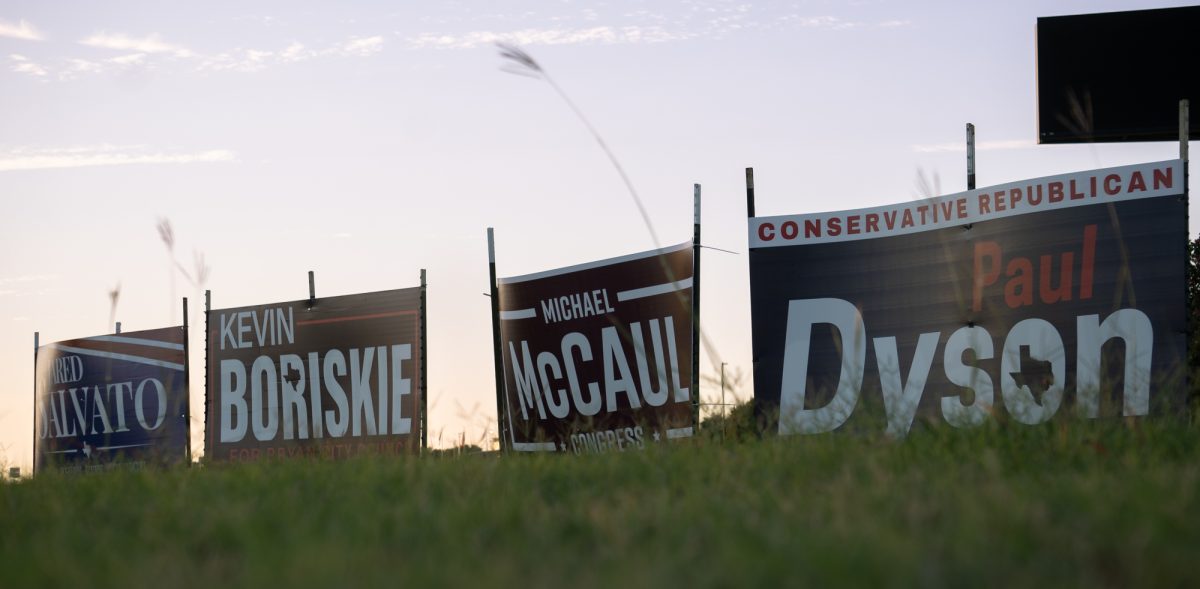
(331, 378)
(598, 357)
(1021, 302)
(112, 400)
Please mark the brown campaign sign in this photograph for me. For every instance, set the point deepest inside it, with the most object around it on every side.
(335, 378)
(598, 356)
(1030, 301)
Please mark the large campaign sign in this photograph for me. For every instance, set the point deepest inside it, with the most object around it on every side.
(331, 378)
(598, 356)
(1019, 302)
(111, 400)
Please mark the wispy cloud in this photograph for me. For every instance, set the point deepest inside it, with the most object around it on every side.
(21, 285)
(836, 23)
(22, 65)
(362, 47)
(253, 60)
(241, 60)
(21, 30)
(950, 147)
(131, 59)
(152, 43)
(640, 26)
(153, 53)
(294, 52)
(105, 155)
(73, 67)
(26, 278)
(548, 36)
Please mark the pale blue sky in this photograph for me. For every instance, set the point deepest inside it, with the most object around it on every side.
(366, 141)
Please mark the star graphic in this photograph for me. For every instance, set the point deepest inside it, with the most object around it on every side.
(87, 450)
(656, 438)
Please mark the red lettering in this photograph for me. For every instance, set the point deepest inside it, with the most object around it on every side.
(766, 232)
(985, 206)
(1020, 271)
(872, 222)
(1162, 178)
(889, 219)
(1075, 194)
(1112, 184)
(1137, 182)
(1056, 192)
(907, 220)
(1051, 295)
(947, 209)
(1001, 205)
(962, 208)
(1014, 197)
(921, 209)
(852, 225)
(812, 228)
(835, 226)
(1035, 200)
(788, 230)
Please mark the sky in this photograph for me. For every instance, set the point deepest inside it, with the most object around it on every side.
(365, 141)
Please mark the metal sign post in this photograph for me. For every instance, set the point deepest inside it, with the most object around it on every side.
(312, 289)
(750, 215)
(750, 193)
(695, 384)
(207, 308)
(424, 363)
(187, 381)
(36, 335)
(1183, 155)
(970, 157)
(497, 350)
(1183, 131)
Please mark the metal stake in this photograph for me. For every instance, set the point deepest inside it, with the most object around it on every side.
(497, 349)
(970, 156)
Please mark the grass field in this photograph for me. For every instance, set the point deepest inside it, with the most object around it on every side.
(1068, 504)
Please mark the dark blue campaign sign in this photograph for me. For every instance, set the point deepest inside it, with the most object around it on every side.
(112, 399)
(1022, 302)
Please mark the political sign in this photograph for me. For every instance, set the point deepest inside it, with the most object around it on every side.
(1020, 302)
(332, 377)
(597, 357)
(108, 400)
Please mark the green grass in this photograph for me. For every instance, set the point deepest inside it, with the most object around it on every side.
(1080, 504)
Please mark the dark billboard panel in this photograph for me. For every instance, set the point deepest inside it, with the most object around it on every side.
(1116, 76)
(598, 357)
(110, 400)
(1057, 295)
(333, 379)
